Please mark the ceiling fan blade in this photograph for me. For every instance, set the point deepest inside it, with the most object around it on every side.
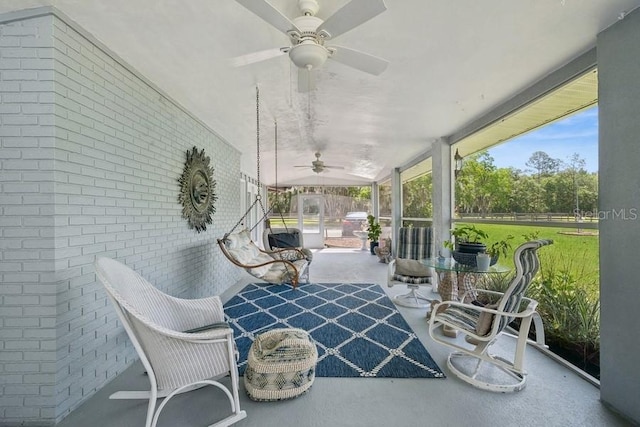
(333, 167)
(251, 58)
(359, 60)
(306, 80)
(351, 15)
(267, 12)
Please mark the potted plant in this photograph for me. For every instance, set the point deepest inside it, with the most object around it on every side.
(373, 232)
(469, 241)
(501, 247)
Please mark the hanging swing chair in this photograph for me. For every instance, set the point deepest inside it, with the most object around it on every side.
(277, 266)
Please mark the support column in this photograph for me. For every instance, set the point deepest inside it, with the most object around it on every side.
(442, 192)
(375, 200)
(619, 216)
(396, 205)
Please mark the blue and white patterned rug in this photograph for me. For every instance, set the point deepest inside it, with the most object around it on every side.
(357, 329)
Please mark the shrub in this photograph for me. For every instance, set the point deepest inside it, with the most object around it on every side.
(568, 306)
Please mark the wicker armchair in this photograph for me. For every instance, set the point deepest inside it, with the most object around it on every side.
(183, 344)
(483, 321)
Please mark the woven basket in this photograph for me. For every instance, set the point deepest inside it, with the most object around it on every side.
(281, 365)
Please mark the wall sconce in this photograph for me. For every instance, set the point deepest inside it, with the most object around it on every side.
(458, 164)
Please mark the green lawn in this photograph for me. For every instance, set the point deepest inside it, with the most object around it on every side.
(578, 253)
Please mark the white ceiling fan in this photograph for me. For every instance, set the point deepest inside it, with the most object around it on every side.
(318, 165)
(308, 34)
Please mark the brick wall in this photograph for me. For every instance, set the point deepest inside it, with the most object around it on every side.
(90, 159)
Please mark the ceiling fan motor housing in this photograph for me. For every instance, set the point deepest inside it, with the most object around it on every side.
(309, 7)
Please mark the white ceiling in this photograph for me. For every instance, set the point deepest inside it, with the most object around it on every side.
(450, 63)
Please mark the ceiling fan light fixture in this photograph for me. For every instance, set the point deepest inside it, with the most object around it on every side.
(308, 54)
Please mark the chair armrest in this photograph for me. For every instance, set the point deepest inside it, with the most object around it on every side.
(391, 270)
(528, 311)
(199, 336)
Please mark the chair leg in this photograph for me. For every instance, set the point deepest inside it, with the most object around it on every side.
(153, 399)
(458, 362)
(412, 299)
(237, 414)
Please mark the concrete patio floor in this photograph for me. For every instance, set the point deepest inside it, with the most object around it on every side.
(554, 395)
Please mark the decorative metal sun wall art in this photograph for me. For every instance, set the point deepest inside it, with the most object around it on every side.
(197, 192)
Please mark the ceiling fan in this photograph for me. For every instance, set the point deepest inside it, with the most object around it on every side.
(318, 165)
(308, 34)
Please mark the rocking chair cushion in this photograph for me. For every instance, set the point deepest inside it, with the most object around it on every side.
(485, 320)
(411, 267)
(414, 280)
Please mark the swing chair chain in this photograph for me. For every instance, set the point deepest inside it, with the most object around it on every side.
(258, 139)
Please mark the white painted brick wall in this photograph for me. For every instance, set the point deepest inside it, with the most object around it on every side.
(91, 156)
(27, 267)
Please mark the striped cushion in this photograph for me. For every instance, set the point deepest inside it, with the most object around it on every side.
(462, 318)
(411, 279)
(414, 242)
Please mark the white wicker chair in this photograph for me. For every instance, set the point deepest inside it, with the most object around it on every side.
(482, 325)
(183, 344)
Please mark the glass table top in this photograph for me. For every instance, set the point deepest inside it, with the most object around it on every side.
(449, 264)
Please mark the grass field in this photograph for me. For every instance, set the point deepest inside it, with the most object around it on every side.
(579, 253)
(570, 252)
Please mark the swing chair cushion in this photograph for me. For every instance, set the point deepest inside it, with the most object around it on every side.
(246, 252)
(241, 247)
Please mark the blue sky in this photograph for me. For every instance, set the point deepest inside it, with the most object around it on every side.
(575, 134)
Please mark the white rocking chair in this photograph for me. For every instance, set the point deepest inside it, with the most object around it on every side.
(183, 344)
(482, 325)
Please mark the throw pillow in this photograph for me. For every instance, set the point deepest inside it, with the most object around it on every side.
(289, 255)
(284, 240)
(411, 267)
(485, 320)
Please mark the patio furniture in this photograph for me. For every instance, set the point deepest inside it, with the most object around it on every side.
(281, 365)
(285, 238)
(414, 244)
(278, 266)
(457, 282)
(183, 344)
(482, 322)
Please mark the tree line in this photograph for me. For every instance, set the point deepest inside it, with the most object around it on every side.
(549, 185)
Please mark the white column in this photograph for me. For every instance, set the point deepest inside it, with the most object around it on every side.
(375, 200)
(442, 192)
(619, 201)
(396, 205)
